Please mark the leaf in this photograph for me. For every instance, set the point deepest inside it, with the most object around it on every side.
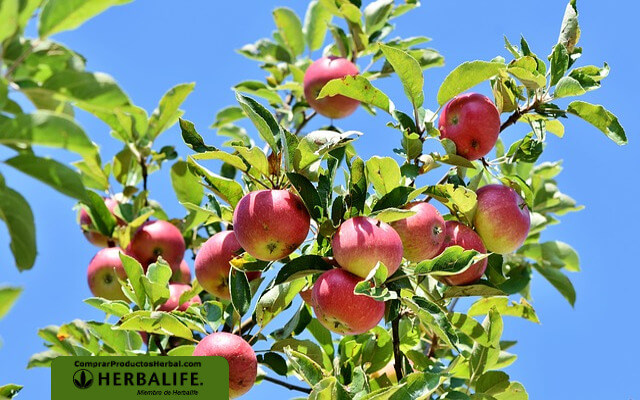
(602, 119)
(157, 322)
(308, 369)
(559, 280)
(470, 327)
(255, 157)
(316, 22)
(466, 76)
(228, 115)
(359, 88)
(94, 89)
(134, 274)
(11, 390)
(9, 17)
(492, 382)
(8, 296)
(384, 173)
(300, 267)
(17, 215)
(316, 144)
(45, 128)
(267, 126)
(393, 214)
(306, 347)
(434, 318)
(570, 31)
(290, 29)
(192, 138)
(167, 112)
(276, 299)
(228, 189)
(504, 307)
(515, 391)
(57, 175)
(329, 389)
(557, 254)
(453, 260)
(186, 184)
(559, 63)
(478, 289)
(117, 308)
(275, 362)
(101, 216)
(308, 193)
(409, 72)
(156, 282)
(182, 351)
(376, 15)
(62, 15)
(240, 291)
(525, 70)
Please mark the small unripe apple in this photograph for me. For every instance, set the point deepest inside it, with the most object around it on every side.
(157, 238)
(457, 234)
(183, 274)
(270, 224)
(502, 218)
(175, 291)
(361, 242)
(243, 363)
(212, 263)
(472, 122)
(422, 234)
(93, 236)
(339, 309)
(317, 75)
(102, 275)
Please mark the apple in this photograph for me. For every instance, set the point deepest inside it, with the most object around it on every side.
(361, 242)
(339, 309)
(502, 218)
(90, 232)
(422, 234)
(243, 363)
(102, 275)
(457, 234)
(183, 274)
(472, 122)
(175, 291)
(157, 238)
(212, 263)
(317, 75)
(270, 224)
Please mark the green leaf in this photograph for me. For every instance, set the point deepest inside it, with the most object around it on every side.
(515, 391)
(308, 369)
(306, 347)
(255, 157)
(8, 296)
(384, 173)
(157, 322)
(409, 72)
(44, 128)
(567, 87)
(240, 291)
(602, 119)
(228, 189)
(358, 87)
(290, 29)
(57, 175)
(168, 111)
(453, 260)
(466, 76)
(228, 115)
(459, 200)
(186, 184)
(559, 63)
(434, 318)
(275, 362)
(376, 15)
(182, 351)
(100, 215)
(329, 389)
(525, 70)
(17, 215)
(556, 254)
(134, 274)
(504, 307)
(570, 31)
(192, 138)
(300, 267)
(95, 89)
(276, 299)
(479, 289)
(62, 15)
(267, 126)
(483, 357)
(308, 193)
(117, 308)
(559, 280)
(314, 145)
(358, 186)
(470, 327)
(316, 22)
(11, 390)
(156, 282)
(9, 16)
(393, 214)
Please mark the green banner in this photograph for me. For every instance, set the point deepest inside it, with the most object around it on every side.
(140, 377)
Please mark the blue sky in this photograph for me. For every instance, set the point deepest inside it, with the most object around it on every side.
(586, 352)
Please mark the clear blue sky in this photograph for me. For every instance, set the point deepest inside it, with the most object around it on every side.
(586, 352)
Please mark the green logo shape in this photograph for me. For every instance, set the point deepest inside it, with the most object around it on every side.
(139, 377)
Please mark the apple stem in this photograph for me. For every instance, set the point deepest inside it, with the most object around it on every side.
(397, 355)
(286, 384)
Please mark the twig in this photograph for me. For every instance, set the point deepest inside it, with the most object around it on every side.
(513, 118)
(21, 58)
(397, 355)
(304, 122)
(158, 343)
(245, 327)
(286, 384)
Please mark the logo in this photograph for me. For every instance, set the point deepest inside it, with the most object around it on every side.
(83, 379)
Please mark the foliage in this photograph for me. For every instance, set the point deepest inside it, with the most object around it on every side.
(435, 351)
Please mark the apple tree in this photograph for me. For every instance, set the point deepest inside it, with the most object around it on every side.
(310, 261)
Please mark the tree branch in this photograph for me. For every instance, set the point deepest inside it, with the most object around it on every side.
(305, 121)
(397, 355)
(513, 118)
(286, 384)
(245, 327)
(158, 343)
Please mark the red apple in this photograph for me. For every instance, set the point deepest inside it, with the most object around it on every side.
(175, 291)
(270, 224)
(422, 234)
(339, 309)
(243, 363)
(361, 242)
(91, 232)
(157, 238)
(502, 218)
(102, 275)
(472, 122)
(321, 72)
(457, 234)
(212, 264)
(183, 274)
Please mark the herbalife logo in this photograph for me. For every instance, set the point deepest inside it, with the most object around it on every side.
(83, 379)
